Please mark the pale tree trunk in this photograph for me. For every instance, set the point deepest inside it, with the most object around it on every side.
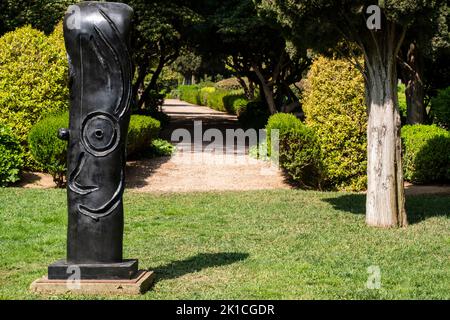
(385, 203)
(267, 90)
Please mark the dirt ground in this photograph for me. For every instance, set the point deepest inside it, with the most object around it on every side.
(199, 168)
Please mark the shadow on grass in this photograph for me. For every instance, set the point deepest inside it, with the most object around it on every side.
(196, 263)
(418, 208)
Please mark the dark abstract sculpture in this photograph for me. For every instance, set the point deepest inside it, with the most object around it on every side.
(100, 83)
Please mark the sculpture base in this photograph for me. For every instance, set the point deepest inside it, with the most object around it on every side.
(125, 270)
(136, 286)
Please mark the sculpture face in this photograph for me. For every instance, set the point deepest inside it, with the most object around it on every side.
(100, 80)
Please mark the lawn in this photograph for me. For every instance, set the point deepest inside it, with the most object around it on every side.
(281, 244)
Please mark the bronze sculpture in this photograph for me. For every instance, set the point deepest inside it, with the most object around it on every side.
(100, 82)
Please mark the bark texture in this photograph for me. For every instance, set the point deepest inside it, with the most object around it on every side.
(385, 204)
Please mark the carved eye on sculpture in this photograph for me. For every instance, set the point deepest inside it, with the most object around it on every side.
(100, 134)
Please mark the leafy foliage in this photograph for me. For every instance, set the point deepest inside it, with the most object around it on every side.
(10, 157)
(47, 149)
(40, 14)
(299, 151)
(141, 132)
(402, 101)
(33, 78)
(334, 107)
(441, 108)
(189, 93)
(231, 101)
(426, 153)
(161, 148)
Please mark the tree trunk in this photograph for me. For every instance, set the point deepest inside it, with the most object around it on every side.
(251, 90)
(267, 90)
(385, 203)
(268, 95)
(152, 85)
(415, 94)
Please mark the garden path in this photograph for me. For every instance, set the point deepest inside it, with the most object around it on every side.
(202, 170)
(191, 169)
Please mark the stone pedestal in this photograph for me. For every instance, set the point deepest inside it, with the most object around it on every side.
(140, 284)
(61, 270)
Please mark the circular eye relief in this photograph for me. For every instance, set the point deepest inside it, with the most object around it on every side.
(100, 134)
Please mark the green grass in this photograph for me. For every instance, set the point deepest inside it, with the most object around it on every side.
(243, 245)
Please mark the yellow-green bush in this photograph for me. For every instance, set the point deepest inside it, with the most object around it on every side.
(231, 101)
(426, 153)
(189, 93)
(10, 157)
(33, 79)
(334, 108)
(204, 94)
(141, 132)
(47, 149)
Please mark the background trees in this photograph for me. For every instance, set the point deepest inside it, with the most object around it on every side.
(41, 14)
(161, 30)
(253, 47)
(268, 45)
(323, 24)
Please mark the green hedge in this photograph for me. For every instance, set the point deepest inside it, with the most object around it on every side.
(33, 78)
(231, 101)
(299, 150)
(47, 149)
(10, 157)
(189, 93)
(141, 132)
(51, 152)
(440, 108)
(334, 107)
(426, 153)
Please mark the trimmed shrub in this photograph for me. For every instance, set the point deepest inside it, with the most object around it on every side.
(299, 151)
(141, 132)
(229, 84)
(233, 101)
(161, 148)
(10, 157)
(300, 157)
(189, 93)
(47, 149)
(33, 78)
(283, 122)
(216, 100)
(254, 115)
(402, 101)
(334, 107)
(204, 95)
(426, 153)
(440, 108)
(51, 152)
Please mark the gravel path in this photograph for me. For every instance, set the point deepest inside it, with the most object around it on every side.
(204, 168)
